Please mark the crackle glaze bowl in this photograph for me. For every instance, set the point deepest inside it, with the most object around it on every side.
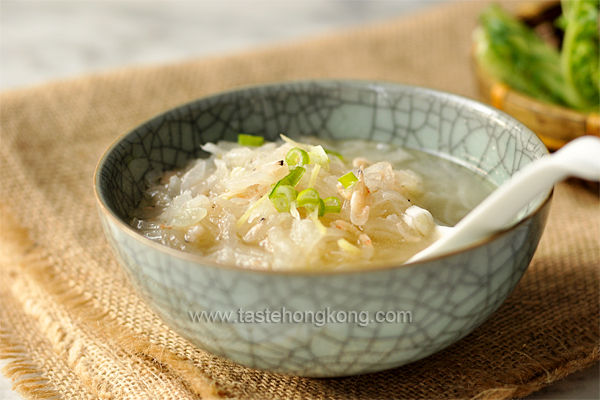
(447, 297)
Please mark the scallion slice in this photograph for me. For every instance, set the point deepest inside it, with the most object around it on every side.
(332, 205)
(250, 140)
(294, 176)
(308, 197)
(321, 207)
(311, 201)
(282, 197)
(290, 179)
(297, 157)
(348, 180)
(335, 153)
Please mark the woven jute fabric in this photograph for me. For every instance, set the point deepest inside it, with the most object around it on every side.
(72, 326)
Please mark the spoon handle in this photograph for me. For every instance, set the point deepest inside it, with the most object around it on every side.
(580, 158)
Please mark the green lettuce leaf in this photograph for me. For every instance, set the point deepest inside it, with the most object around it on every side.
(514, 54)
(580, 56)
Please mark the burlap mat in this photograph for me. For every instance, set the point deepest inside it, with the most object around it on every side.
(73, 327)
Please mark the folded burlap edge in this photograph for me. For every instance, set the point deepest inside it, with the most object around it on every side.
(32, 261)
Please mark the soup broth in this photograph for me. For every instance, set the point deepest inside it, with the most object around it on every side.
(375, 204)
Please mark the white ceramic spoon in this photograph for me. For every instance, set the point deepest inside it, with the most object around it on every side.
(579, 158)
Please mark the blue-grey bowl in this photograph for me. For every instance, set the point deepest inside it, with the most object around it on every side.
(444, 299)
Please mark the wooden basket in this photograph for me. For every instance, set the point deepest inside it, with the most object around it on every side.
(555, 125)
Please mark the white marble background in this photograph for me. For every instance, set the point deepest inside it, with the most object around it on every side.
(49, 40)
(43, 40)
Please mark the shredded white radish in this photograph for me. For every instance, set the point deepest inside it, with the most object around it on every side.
(225, 207)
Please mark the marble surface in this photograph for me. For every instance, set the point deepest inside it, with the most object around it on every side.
(44, 40)
(50, 40)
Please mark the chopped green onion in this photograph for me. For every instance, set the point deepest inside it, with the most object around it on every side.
(282, 197)
(332, 205)
(290, 179)
(348, 180)
(321, 207)
(283, 193)
(308, 197)
(250, 140)
(297, 157)
(310, 200)
(335, 153)
(294, 176)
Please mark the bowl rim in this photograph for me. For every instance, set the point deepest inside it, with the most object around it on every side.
(205, 262)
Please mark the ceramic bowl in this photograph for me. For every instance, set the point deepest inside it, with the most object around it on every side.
(442, 300)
